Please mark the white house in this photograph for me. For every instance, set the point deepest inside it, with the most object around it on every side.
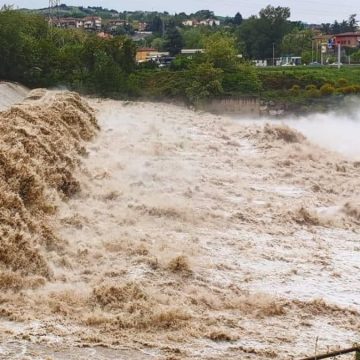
(92, 23)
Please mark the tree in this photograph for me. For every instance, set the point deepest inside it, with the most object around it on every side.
(158, 43)
(326, 28)
(238, 19)
(243, 79)
(349, 25)
(193, 37)
(204, 14)
(261, 33)
(220, 50)
(353, 23)
(276, 15)
(206, 82)
(156, 25)
(173, 41)
(297, 42)
(24, 48)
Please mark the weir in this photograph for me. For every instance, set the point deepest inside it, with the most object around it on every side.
(240, 105)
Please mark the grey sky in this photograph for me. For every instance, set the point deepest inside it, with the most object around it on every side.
(317, 11)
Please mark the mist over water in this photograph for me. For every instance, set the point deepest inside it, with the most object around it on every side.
(337, 130)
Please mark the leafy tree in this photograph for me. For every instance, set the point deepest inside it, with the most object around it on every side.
(23, 50)
(352, 23)
(260, 33)
(173, 41)
(206, 82)
(156, 25)
(238, 19)
(356, 56)
(349, 25)
(242, 80)
(193, 38)
(158, 43)
(220, 50)
(297, 42)
(204, 14)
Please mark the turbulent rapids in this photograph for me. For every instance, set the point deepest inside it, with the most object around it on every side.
(140, 230)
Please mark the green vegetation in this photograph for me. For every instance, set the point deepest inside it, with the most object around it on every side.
(39, 56)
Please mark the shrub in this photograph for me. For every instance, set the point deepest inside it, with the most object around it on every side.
(206, 82)
(351, 89)
(342, 82)
(295, 90)
(327, 89)
(244, 80)
(313, 93)
(310, 88)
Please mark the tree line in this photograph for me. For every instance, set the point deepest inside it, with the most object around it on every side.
(37, 55)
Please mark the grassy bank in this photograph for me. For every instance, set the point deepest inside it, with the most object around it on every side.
(38, 56)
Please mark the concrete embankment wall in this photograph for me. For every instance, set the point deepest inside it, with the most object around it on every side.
(241, 106)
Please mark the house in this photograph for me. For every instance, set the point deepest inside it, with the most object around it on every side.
(69, 23)
(93, 23)
(207, 22)
(116, 23)
(349, 39)
(142, 26)
(210, 22)
(143, 54)
(191, 52)
(190, 23)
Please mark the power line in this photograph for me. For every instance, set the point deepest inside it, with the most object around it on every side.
(53, 11)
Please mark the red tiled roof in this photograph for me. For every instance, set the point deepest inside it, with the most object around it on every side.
(348, 34)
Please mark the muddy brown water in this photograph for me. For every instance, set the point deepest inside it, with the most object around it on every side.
(195, 237)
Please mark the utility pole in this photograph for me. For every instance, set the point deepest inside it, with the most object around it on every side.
(53, 11)
(273, 54)
(312, 51)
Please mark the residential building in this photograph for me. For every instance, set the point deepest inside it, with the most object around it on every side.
(191, 52)
(349, 39)
(210, 22)
(190, 23)
(115, 24)
(69, 23)
(143, 54)
(142, 26)
(207, 22)
(92, 23)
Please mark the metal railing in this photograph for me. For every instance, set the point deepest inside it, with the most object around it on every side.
(355, 350)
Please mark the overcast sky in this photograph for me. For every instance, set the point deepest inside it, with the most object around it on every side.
(316, 11)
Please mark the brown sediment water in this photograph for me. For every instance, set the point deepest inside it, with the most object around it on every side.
(189, 236)
(40, 145)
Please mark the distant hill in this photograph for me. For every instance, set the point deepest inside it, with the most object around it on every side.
(77, 11)
(147, 16)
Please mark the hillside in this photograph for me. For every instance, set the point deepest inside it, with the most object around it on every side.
(76, 11)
